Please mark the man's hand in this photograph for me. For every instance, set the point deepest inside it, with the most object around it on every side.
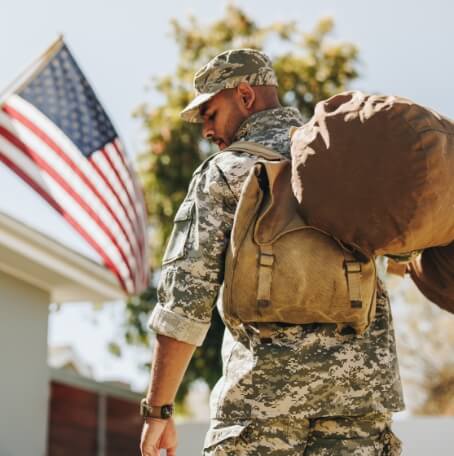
(165, 379)
(157, 434)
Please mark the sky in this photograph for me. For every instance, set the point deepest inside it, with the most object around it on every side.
(405, 49)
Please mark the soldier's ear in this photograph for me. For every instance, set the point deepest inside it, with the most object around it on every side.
(246, 95)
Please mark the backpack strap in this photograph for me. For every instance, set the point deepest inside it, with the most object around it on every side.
(354, 270)
(266, 261)
(255, 149)
(243, 146)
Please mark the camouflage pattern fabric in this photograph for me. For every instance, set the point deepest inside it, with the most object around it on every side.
(299, 371)
(226, 71)
(367, 435)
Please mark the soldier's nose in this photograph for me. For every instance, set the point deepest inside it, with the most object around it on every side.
(207, 132)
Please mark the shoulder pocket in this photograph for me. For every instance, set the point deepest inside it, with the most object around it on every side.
(176, 247)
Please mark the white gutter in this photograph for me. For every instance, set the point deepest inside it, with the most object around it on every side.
(41, 261)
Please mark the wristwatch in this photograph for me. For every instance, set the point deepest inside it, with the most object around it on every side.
(163, 412)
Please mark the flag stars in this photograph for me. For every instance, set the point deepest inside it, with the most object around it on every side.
(63, 94)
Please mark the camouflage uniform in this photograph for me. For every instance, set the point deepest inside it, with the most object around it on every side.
(305, 388)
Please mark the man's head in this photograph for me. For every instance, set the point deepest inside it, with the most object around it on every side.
(231, 87)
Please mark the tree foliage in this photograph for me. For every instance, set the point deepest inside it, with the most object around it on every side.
(309, 66)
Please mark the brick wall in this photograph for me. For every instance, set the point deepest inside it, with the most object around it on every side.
(91, 422)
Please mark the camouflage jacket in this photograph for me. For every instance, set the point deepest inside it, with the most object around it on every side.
(306, 370)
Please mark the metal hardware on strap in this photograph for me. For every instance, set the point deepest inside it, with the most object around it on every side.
(266, 260)
(260, 331)
(265, 269)
(265, 333)
(354, 272)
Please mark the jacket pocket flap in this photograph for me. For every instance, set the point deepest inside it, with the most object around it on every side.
(184, 211)
(216, 436)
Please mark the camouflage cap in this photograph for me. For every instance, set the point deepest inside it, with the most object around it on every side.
(226, 71)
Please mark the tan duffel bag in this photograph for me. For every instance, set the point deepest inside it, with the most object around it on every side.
(377, 172)
(433, 274)
(279, 269)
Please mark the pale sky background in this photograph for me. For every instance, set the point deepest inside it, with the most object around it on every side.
(405, 49)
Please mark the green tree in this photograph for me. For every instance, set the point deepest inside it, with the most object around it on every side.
(309, 66)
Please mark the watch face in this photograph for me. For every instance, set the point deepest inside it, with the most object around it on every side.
(166, 411)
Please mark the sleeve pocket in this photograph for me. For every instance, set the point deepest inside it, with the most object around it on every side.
(392, 446)
(222, 441)
(176, 247)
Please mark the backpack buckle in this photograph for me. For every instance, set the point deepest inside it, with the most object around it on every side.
(266, 260)
(353, 269)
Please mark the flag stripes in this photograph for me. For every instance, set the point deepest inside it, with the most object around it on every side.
(77, 168)
(28, 172)
(94, 193)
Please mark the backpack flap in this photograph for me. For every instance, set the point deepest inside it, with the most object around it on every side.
(279, 269)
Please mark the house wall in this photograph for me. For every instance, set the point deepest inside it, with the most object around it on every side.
(87, 420)
(24, 376)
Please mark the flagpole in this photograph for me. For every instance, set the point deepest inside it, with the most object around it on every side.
(33, 68)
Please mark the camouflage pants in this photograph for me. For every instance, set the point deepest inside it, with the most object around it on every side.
(368, 435)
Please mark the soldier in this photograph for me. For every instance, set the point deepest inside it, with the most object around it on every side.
(305, 389)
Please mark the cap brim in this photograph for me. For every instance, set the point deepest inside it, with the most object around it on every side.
(191, 112)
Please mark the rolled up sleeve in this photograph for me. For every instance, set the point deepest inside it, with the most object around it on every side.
(193, 265)
(171, 324)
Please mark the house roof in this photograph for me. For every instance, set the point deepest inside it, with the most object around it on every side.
(115, 389)
(66, 357)
(66, 274)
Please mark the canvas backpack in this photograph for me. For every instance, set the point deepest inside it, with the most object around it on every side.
(281, 270)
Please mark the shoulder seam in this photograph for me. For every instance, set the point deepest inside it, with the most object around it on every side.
(226, 182)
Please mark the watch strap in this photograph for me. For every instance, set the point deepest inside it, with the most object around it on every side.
(163, 412)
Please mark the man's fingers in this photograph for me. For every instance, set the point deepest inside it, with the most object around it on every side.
(150, 453)
(172, 451)
(153, 452)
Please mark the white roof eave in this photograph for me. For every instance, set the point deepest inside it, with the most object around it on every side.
(39, 260)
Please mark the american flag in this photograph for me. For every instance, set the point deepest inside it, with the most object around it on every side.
(56, 136)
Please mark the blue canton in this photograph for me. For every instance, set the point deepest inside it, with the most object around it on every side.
(61, 92)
